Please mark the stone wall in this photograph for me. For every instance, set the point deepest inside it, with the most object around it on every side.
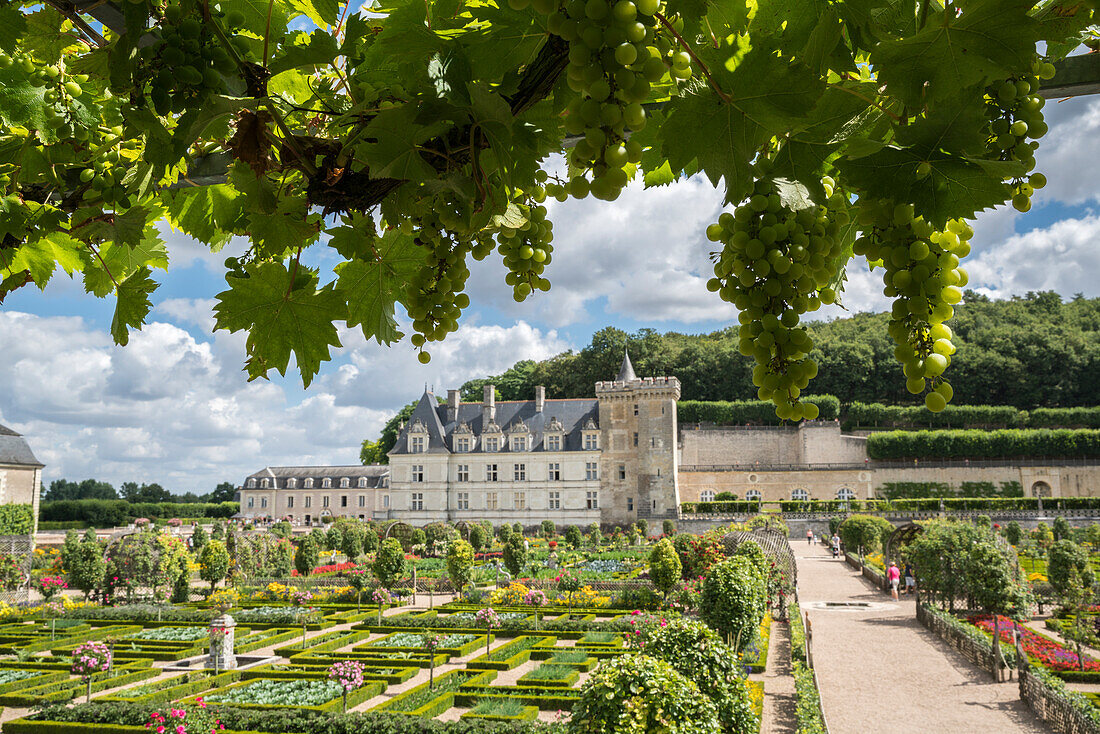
(776, 485)
(813, 443)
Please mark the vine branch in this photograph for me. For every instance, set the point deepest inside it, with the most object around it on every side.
(691, 52)
(866, 99)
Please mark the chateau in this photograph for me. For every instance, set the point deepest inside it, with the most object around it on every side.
(612, 459)
(20, 472)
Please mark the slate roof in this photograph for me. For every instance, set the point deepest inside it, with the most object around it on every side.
(376, 475)
(14, 449)
(626, 372)
(573, 414)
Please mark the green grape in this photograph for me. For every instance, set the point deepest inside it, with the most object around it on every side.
(921, 273)
(775, 266)
(1014, 111)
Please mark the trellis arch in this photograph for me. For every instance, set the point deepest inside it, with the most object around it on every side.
(402, 531)
(903, 535)
(463, 529)
(774, 543)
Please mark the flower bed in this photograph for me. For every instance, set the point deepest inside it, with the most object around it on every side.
(173, 634)
(416, 641)
(272, 692)
(1040, 649)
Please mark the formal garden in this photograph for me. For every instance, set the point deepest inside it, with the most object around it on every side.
(361, 628)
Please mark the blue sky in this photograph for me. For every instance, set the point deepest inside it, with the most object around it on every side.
(174, 405)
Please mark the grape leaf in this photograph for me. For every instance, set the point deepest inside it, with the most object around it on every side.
(957, 125)
(21, 103)
(283, 313)
(12, 26)
(956, 186)
(767, 95)
(990, 39)
(372, 288)
(41, 256)
(289, 227)
(322, 12)
(133, 304)
(315, 49)
(116, 262)
(207, 213)
(395, 154)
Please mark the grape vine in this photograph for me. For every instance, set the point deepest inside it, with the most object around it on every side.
(417, 139)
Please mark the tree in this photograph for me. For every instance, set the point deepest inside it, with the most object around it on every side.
(133, 492)
(643, 528)
(864, 533)
(992, 579)
(1043, 535)
(89, 489)
(548, 528)
(352, 541)
(283, 562)
(664, 566)
(1013, 532)
(477, 538)
(668, 527)
(775, 106)
(504, 532)
(595, 537)
(213, 563)
(460, 563)
(308, 555)
(517, 528)
(224, 492)
(734, 599)
(573, 536)
(390, 563)
(1072, 577)
(82, 559)
(515, 554)
(657, 696)
(1061, 529)
(198, 538)
(371, 453)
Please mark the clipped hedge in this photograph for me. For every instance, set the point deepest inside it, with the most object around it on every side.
(876, 415)
(754, 412)
(112, 513)
(808, 701)
(975, 444)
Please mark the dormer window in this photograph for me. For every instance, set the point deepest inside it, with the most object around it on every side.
(344, 483)
(553, 442)
(308, 484)
(326, 483)
(263, 483)
(492, 445)
(462, 445)
(591, 441)
(519, 443)
(416, 444)
(362, 482)
(291, 483)
(252, 483)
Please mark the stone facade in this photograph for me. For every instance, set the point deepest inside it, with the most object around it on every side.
(305, 494)
(20, 472)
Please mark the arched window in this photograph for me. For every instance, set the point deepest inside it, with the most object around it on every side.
(291, 483)
(845, 494)
(753, 495)
(344, 483)
(308, 484)
(362, 482)
(1040, 489)
(263, 483)
(251, 482)
(707, 495)
(800, 495)
(326, 482)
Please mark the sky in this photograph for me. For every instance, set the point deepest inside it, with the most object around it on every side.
(175, 407)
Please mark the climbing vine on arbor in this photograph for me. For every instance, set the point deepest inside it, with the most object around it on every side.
(408, 140)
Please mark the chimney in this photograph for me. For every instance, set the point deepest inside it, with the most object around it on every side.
(540, 398)
(452, 406)
(488, 405)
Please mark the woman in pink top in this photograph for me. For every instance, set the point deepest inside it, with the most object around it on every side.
(893, 575)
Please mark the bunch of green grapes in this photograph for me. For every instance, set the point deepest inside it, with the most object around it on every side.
(61, 90)
(188, 65)
(527, 251)
(433, 295)
(777, 264)
(922, 275)
(107, 167)
(615, 54)
(1015, 113)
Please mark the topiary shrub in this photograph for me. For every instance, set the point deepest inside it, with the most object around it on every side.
(307, 556)
(639, 694)
(734, 599)
(699, 654)
(515, 554)
(664, 566)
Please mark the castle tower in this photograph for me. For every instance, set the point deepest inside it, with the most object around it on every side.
(638, 447)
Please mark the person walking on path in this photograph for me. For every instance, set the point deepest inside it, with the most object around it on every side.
(893, 575)
(836, 545)
(910, 579)
(809, 537)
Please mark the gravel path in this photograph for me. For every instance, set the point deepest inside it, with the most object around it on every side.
(881, 671)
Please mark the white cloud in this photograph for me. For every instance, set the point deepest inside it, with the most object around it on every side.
(1061, 257)
(167, 408)
(645, 254)
(380, 376)
(1066, 150)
